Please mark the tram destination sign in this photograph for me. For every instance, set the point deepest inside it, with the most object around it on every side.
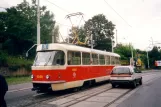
(45, 46)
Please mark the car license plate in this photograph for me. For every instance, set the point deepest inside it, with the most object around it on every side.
(119, 78)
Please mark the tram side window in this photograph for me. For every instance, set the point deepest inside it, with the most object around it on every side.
(112, 60)
(102, 59)
(117, 60)
(86, 58)
(107, 60)
(74, 58)
(95, 59)
(59, 58)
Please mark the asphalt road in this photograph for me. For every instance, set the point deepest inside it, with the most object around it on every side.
(18, 93)
(149, 95)
(21, 95)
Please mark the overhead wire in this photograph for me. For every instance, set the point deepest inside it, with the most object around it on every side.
(58, 6)
(61, 36)
(118, 13)
(58, 22)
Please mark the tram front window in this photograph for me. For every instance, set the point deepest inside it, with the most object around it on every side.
(48, 58)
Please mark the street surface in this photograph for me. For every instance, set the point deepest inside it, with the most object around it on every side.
(147, 95)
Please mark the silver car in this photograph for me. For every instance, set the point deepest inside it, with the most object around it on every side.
(125, 75)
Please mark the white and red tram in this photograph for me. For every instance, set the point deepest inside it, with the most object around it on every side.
(64, 66)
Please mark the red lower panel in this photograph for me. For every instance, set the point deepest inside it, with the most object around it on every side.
(72, 73)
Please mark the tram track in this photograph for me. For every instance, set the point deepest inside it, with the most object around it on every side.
(60, 95)
(76, 100)
(84, 98)
(48, 97)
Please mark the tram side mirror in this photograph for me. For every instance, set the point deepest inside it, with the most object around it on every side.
(26, 56)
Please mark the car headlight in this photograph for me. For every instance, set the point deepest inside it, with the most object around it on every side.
(47, 76)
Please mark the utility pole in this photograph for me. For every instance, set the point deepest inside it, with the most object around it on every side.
(148, 59)
(53, 39)
(116, 37)
(111, 44)
(91, 41)
(132, 53)
(38, 22)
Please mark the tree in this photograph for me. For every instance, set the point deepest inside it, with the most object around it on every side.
(80, 32)
(100, 28)
(124, 51)
(154, 55)
(19, 25)
(102, 31)
(56, 34)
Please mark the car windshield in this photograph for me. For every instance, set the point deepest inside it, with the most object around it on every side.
(49, 58)
(121, 70)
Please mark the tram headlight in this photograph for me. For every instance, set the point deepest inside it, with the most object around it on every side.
(47, 76)
(32, 76)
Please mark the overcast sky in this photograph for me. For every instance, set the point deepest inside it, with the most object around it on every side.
(144, 17)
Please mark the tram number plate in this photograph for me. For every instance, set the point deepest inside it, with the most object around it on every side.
(39, 76)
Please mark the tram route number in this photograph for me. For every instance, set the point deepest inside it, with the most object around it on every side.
(39, 76)
(74, 69)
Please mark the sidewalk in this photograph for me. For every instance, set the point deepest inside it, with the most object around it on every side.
(19, 87)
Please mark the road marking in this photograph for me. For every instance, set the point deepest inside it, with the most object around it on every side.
(19, 89)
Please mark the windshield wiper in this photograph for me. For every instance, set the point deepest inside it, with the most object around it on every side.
(35, 60)
(48, 61)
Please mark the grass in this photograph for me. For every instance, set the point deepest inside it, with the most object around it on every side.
(18, 61)
(18, 80)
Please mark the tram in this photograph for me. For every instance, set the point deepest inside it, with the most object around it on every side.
(65, 66)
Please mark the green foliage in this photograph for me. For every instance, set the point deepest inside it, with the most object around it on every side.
(102, 31)
(15, 63)
(124, 51)
(81, 34)
(18, 80)
(154, 55)
(3, 59)
(100, 28)
(18, 26)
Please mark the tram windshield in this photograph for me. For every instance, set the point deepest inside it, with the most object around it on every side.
(48, 58)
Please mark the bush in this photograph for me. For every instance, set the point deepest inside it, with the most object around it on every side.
(14, 62)
(3, 59)
(18, 62)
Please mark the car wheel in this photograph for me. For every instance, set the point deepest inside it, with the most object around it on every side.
(140, 82)
(134, 84)
(113, 85)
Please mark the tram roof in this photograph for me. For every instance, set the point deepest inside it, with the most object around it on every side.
(71, 47)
